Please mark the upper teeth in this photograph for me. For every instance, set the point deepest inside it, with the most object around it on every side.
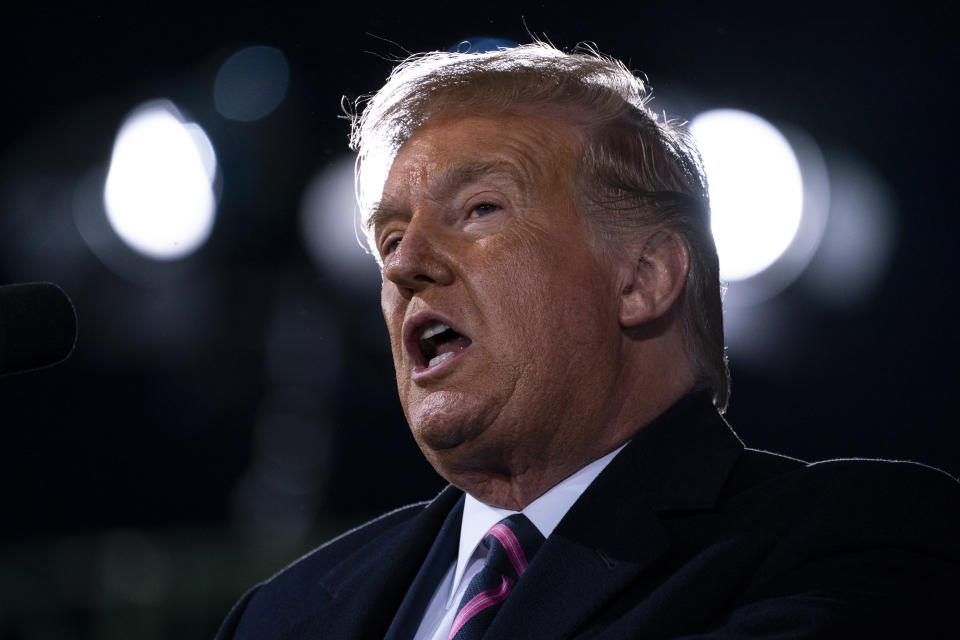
(433, 330)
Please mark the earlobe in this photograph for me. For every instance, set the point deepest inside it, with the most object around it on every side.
(654, 277)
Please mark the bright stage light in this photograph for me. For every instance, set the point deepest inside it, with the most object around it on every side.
(158, 194)
(756, 190)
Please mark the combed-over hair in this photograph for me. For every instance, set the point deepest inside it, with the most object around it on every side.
(635, 171)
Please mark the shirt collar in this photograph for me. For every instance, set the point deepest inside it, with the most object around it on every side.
(545, 512)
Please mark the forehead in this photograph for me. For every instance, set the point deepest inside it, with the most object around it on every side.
(531, 152)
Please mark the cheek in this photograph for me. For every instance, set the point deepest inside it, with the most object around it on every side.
(522, 293)
(512, 288)
(555, 297)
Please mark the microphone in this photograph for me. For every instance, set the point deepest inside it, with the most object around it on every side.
(38, 326)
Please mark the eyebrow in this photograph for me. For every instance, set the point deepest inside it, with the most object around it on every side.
(451, 179)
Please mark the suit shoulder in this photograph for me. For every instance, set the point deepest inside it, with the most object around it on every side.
(864, 478)
(355, 538)
(280, 600)
(764, 464)
(881, 470)
(868, 544)
(333, 551)
(908, 488)
(877, 481)
(861, 501)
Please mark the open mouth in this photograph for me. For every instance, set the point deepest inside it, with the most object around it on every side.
(433, 342)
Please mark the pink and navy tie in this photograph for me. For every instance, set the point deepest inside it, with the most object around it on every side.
(510, 544)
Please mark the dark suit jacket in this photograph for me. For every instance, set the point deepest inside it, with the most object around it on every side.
(685, 534)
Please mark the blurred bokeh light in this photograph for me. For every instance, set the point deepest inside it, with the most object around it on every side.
(859, 239)
(251, 84)
(795, 258)
(159, 193)
(756, 190)
(848, 240)
(329, 229)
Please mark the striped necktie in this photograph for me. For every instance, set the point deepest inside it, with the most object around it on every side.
(510, 544)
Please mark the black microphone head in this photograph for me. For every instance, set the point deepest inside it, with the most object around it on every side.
(38, 326)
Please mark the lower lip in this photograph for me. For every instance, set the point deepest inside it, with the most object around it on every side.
(423, 373)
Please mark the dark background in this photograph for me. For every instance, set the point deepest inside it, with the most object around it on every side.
(224, 413)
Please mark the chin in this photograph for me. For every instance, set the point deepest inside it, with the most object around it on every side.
(439, 435)
(444, 421)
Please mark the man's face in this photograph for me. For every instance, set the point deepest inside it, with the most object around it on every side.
(502, 315)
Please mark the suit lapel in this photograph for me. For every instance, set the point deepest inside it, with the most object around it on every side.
(615, 530)
(436, 565)
(367, 587)
(572, 576)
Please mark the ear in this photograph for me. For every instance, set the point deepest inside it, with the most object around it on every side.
(653, 278)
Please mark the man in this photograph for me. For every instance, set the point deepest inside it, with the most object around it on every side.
(550, 287)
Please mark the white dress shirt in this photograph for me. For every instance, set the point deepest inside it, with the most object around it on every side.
(545, 513)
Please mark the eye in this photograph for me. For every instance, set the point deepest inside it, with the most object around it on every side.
(391, 245)
(483, 209)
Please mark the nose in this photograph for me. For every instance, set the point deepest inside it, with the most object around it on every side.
(420, 260)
